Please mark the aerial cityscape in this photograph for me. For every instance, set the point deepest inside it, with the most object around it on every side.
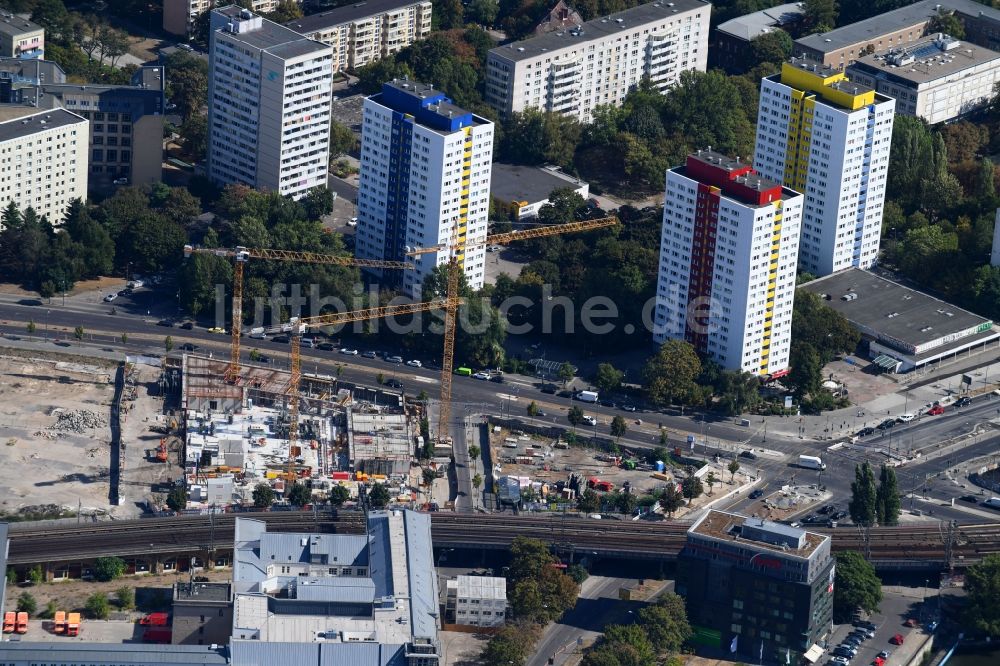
(499, 333)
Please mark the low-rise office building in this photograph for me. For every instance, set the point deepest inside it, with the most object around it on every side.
(899, 28)
(938, 78)
(367, 31)
(599, 62)
(477, 601)
(756, 587)
(20, 38)
(202, 613)
(732, 41)
(519, 192)
(903, 328)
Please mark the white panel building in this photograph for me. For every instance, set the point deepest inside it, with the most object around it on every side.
(269, 95)
(575, 70)
(938, 78)
(366, 31)
(43, 160)
(478, 601)
(727, 263)
(827, 137)
(425, 180)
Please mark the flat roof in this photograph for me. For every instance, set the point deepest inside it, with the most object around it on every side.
(117, 653)
(347, 14)
(203, 591)
(15, 25)
(513, 182)
(754, 25)
(482, 587)
(725, 526)
(897, 19)
(752, 179)
(38, 122)
(270, 36)
(596, 29)
(925, 60)
(887, 307)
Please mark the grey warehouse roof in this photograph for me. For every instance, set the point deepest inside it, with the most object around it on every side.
(756, 24)
(346, 14)
(44, 120)
(926, 63)
(258, 653)
(511, 182)
(897, 19)
(15, 25)
(123, 654)
(891, 309)
(596, 29)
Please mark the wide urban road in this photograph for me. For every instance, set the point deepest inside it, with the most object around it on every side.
(38, 542)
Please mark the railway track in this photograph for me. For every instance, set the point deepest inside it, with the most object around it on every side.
(38, 542)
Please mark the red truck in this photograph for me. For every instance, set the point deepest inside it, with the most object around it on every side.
(155, 620)
(598, 484)
(157, 635)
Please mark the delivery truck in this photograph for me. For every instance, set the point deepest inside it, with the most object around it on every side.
(811, 462)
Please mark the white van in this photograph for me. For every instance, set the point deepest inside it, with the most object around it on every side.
(258, 333)
(811, 462)
(587, 396)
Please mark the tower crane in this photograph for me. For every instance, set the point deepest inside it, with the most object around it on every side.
(241, 255)
(456, 247)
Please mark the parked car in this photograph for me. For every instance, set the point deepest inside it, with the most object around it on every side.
(589, 420)
(749, 455)
(897, 639)
(907, 417)
(630, 408)
(866, 432)
(608, 403)
(394, 383)
(169, 323)
(415, 364)
(187, 346)
(484, 376)
(885, 654)
(840, 661)
(964, 401)
(549, 388)
(931, 627)
(280, 338)
(865, 624)
(326, 346)
(971, 499)
(936, 410)
(347, 351)
(188, 325)
(217, 329)
(497, 379)
(394, 359)
(888, 423)
(110, 297)
(757, 493)
(369, 354)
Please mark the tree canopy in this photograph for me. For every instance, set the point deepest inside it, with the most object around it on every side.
(982, 590)
(855, 586)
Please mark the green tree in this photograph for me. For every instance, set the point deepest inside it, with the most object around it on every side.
(691, 487)
(31, 327)
(982, 591)
(177, 499)
(948, 23)
(807, 369)
(26, 603)
(618, 427)
(532, 409)
(575, 415)
(299, 495)
(378, 496)
(477, 481)
(78, 332)
(821, 15)
(589, 501)
(856, 586)
(671, 373)
(187, 84)
(11, 576)
(50, 610)
(863, 495)
(338, 495)
(608, 377)
(124, 338)
(97, 606)
(671, 499)
(733, 467)
(773, 47)
(263, 495)
(126, 597)
(666, 623)
(343, 140)
(194, 131)
(287, 10)
(626, 643)
(887, 501)
(168, 344)
(35, 574)
(474, 452)
(566, 372)
(483, 12)
(710, 480)
(512, 645)
(108, 568)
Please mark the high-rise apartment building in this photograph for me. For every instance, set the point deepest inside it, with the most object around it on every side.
(575, 70)
(269, 95)
(179, 15)
(758, 588)
(43, 159)
(366, 31)
(827, 137)
(727, 263)
(425, 180)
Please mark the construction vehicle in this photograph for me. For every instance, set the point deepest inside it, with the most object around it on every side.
(59, 624)
(598, 484)
(22, 623)
(9, 622)
(73, 624)
(161, 450)
(456, 249)
(241, 255)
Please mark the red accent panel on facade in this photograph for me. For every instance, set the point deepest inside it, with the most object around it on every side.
(706, 222)
(725, 179)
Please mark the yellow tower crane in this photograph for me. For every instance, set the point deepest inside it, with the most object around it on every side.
(456, 247)
(241, 255)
